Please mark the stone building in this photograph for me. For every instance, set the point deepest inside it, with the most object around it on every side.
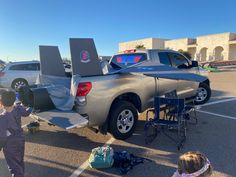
(203, 48)
(148, 43)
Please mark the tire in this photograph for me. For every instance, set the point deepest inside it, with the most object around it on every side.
(203, 95)
(17, 83)
(122, 119)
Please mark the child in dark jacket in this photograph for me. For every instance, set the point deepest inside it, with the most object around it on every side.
(15, 144)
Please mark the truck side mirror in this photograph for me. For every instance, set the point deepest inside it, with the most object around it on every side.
(194, 63)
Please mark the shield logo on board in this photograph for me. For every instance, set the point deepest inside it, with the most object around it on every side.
(84, 56)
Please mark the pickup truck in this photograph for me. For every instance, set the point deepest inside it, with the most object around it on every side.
(111, 102)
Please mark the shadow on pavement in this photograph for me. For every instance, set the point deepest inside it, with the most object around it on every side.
(146, 169)
(212, 136)
(218, 93)
(37, 170)
(62, 139)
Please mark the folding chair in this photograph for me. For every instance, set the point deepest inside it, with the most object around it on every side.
(174, 122)
(188, 108)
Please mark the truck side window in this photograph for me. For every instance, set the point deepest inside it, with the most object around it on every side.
(164, 58)
(179, 61)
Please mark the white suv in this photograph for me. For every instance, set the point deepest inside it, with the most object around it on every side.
(16, 74)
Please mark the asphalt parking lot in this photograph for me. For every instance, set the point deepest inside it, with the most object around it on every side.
(53, 152)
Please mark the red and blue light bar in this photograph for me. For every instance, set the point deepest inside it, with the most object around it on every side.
(128, 59)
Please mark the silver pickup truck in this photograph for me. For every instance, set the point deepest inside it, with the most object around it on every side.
(113, 101)
(108, 99)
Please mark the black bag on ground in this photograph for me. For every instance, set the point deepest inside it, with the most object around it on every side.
(125, 161)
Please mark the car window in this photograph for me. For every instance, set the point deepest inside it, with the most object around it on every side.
(33, 67)
(17, 67)
(164, 58)
(178, 60)
(125, 60)
(26, 67)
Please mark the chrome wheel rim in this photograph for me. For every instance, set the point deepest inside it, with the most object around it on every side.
(125, 121)
(201, 94)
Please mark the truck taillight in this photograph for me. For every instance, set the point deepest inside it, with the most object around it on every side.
(84, 88)
(1, 74)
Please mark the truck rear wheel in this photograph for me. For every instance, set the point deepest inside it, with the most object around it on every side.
(122, 120)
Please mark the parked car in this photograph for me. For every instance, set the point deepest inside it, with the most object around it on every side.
(16, 74)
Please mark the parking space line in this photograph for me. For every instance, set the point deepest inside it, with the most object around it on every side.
(219, 101)
(85, 165)
(219, 115)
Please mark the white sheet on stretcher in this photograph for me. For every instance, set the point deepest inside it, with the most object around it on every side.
(62, 90)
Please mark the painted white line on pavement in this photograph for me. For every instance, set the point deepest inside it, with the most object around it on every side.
(85, 165)
(219, 115)
(219, 101)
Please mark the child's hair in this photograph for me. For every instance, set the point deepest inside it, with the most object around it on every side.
(194, 164)
(8, 98)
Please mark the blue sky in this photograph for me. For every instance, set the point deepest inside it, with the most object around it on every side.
(26, 24)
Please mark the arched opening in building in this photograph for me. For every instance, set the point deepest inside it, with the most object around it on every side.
(218, 53)
(203, 54)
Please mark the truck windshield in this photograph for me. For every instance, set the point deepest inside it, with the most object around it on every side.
(125, 60)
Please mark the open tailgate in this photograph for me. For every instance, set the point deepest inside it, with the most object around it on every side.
(63, 119)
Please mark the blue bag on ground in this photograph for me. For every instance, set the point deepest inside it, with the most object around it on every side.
(101, 157)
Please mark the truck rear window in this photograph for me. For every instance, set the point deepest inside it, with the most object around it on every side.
(125, 60)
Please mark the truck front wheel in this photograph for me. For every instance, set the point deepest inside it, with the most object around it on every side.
(122, 120)
(203, 94)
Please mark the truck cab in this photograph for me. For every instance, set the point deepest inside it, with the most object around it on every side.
(178, 60)
(171, 58)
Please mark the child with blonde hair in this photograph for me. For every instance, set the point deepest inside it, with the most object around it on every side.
(193, 164)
